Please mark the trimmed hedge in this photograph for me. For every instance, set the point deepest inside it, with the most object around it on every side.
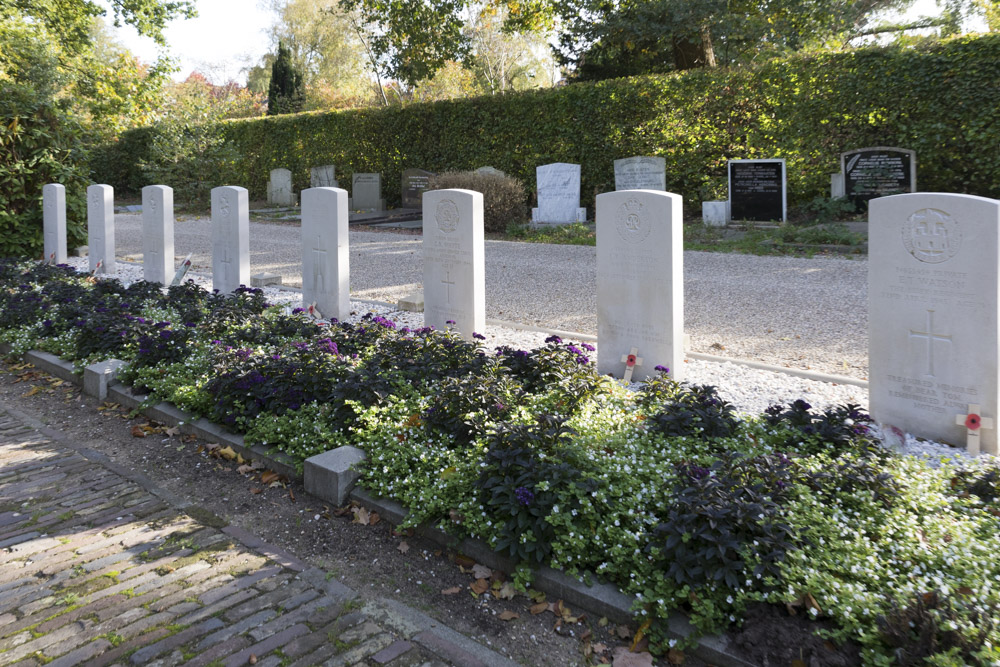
(940, 99)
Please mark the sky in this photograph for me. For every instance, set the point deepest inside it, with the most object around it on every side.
(228, 35)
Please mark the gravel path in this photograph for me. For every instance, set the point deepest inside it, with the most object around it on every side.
(794, 312)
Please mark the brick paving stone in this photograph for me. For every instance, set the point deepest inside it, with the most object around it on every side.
(219, 651)
(391, 652)
(263, 648)
(144, 654)
(447, 650)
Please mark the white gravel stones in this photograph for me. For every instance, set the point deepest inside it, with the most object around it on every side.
(750, 390)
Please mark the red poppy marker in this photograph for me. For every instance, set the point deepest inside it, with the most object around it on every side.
(631, 360)
(973, 422)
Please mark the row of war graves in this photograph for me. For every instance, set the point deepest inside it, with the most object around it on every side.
(757, 188)
(934, 285)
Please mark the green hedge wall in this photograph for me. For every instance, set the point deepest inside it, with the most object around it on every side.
(940, 99)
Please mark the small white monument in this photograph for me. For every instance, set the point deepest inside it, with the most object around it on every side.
(558, 194)
(640, 284)
(325, 252)
(101, 228)
(279, 188)
(230, 238)
(54, 223)
(454, 264)
(933, 290)
(641, 173)
(158, 234)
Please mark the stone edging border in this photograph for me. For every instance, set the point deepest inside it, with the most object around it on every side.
(599, 599)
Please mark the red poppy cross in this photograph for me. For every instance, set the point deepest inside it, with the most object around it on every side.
(973, 422)
(631, 360)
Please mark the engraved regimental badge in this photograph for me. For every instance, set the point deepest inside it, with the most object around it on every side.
(931, 236)
(447, 216)
(632, 221)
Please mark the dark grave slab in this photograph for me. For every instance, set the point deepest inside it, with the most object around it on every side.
(757, 190)
(878, 172)
(415, 182)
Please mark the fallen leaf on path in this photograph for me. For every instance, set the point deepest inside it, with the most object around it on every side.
(451, 591)
(244, 469)
(32, 391)
(373, 518)
(360, 515)
(479, 586)
(269, 477)
(255, 490)
(509, 615)
(137, 432)
(464, 561)
(403, 547)
(625, 658)
(481, 571)
(539, 608)
(506, 591)
(623, 632)
(172, 431)
(227, 453)
(600, 648)
(675, 657)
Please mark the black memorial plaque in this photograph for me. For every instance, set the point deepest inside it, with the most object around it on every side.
(415, 182)
(757, 190)
(877, 172)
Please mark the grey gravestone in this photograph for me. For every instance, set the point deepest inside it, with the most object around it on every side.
(757, 190)
(640, 282)
(279, 188)
(876, 172)
(641, 173)
(323, 177)
(158, 233)
(558, 194)
(326, 276)
(366, 192)
(490, 170)
(54, 223)
(415, 182)
(933, 294)
(230, 238)
(454, 264)
(101, 228)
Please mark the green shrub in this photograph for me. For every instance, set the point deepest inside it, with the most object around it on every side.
(503, 196)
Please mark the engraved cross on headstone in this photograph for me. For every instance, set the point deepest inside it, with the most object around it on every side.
(973, 423)
(931, 338)
(449, 282)
(632, 359)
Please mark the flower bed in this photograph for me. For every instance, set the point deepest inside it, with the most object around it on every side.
(667, 492)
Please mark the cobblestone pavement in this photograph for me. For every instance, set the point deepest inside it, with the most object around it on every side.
(101, 568)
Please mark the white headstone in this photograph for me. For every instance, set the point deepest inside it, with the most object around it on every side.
(326, 272)
(323, 177)
(558, 194)
(101, 228)
(715, 213)
(454, 265)
(641, 173)
(158, 234)
(933, 288)
(54, 223)
(230, 238)
(366, 192)
(279, 188)
(640, 282)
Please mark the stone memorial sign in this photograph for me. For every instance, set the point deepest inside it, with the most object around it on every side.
(326, 277)
(230, 238)
(323, 177)
(158, 234)
(640, 283)
(876, 172)
(641, 173)
(454, 264)
(101, 228)
(54, 223)
(366, 192)
(933, 291)
(279, 188)
(415, 182)
(757, 190)
(558, 194)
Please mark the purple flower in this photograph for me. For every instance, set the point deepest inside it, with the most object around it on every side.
(449, 322)
(587, 347)
(582, 360)
(799, 404)
(553, 339)
(326, 345)
(478, 336)
(661, 369)
(296, 311)
(276, 357)
(165, 334)
(524, 495)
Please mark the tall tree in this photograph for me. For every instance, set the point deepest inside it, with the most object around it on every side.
(285, 93)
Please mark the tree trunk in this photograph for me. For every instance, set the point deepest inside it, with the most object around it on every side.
(694, 50)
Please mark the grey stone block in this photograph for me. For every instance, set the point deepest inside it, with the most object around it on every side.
(331, 475)
(52, 365)
(81, 251)
(97, 377)
(413, 303)
(264, 279)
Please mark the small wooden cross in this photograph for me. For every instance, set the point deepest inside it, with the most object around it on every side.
(973, 422)
(314, 311)
(632, 359)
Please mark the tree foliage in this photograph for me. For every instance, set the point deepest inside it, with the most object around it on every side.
(285, 92)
